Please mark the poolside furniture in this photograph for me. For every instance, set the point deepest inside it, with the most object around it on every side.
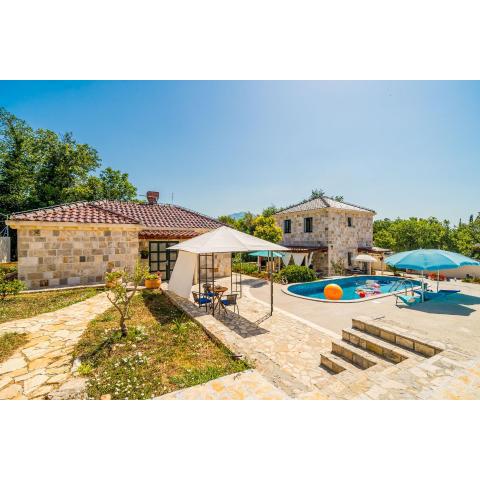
(217, 297)
(440, 294)
(201, 300)
(408, 299)
(231, 300)
(429, 260)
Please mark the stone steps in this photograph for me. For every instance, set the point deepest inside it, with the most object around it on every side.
(397, 336)
(336, 364)
(375, 345)
(356, 356)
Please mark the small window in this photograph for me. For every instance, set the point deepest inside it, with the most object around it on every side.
(308, 224)
(349, 257)
(349, 221)
(287, 226)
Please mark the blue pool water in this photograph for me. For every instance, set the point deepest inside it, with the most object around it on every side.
(350, 287)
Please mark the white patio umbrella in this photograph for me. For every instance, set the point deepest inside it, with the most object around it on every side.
(363, 257)
(220, 240)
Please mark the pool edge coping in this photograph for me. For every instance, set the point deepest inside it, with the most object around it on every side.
(373, 297)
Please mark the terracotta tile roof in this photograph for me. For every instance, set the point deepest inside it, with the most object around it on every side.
(77, 212)
(324, 202)
(162, 216)
(167, 234)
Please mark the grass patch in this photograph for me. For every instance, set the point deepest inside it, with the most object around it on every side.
(31, 304)
(163, 351)
(9, 342)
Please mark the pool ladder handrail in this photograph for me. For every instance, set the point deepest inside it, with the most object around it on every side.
(404, 282)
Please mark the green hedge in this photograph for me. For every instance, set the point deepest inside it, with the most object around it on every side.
(246, 268)
(296, 274)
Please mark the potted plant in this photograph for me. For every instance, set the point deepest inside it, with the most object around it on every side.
(144, 254)
(153, 280)
(112, 278)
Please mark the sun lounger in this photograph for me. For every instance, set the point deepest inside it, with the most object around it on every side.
(439, 294)
(408, 299)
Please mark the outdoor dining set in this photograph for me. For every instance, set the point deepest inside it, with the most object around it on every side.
(215, 298)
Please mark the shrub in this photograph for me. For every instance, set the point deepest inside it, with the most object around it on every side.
(295, 274)
(9, 287)
(246, 268)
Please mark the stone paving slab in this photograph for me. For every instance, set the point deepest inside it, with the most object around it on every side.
(248, 385)
(44, 364)
(285, 349)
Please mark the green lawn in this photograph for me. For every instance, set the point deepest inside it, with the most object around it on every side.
(164, 351)
(9, 342)
(31, 304)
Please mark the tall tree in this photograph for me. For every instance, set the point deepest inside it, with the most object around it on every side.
(109, 185)
(64, 166)
(17, 170)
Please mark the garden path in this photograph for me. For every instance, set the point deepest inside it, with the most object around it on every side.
(43, 366)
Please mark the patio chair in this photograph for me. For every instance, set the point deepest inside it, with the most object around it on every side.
(231, 300)
(207, 290)
(201, 300)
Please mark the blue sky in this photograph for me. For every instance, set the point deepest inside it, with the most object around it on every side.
(401, 148)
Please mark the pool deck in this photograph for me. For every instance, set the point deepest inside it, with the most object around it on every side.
(285, 348)
(454, 320)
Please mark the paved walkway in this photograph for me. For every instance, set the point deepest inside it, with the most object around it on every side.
(248, 385)
(285, 348)
(44, 364)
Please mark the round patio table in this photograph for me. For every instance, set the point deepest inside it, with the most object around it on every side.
(217, 299)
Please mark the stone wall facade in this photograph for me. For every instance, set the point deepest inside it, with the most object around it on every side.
(330, 228)
(58, 256)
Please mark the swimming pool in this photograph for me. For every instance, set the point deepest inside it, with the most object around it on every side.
(351, 287)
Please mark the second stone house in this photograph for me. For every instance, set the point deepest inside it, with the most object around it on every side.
(324, 231)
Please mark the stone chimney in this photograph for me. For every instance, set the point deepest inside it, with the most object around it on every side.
(152, 197)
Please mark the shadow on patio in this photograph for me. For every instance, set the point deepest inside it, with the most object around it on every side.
(454, 305)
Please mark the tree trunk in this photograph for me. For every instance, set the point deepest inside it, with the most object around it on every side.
(123, 327)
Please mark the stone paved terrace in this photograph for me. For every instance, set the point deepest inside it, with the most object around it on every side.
(248, 385)
(286, 347)
(44, 365)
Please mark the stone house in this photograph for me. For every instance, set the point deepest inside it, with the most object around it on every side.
(76, 243)
(326, 230)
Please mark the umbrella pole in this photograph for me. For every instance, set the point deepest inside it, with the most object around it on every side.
(423, 298)
(270, 254)
(438, 278)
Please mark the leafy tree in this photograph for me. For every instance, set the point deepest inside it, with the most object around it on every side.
(42, 168)
(269, 211)
(265, 228)
(109, 185)
(247, 223)
(228, 220)
(17, 171)
(317, 193)
(64, 166)
(338, 198)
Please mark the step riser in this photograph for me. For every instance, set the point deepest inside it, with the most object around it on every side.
(330, 365)
(352, 357)
(402, 341)
(371, 346)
